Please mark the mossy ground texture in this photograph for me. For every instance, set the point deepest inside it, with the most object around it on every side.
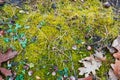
(53, 34)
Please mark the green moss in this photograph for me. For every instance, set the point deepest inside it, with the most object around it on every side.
(63, 27)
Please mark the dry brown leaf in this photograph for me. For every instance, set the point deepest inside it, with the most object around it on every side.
(87, 78)
(90, 65)
(116, 43)
(116, 68)
(5, 72)
(112, 76)
(117, 55)
(100, 55)
(5, 57)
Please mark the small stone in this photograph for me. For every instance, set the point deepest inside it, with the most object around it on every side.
(72, 78)
(2, 32)
(106, 5)
(27, 13)
(74, 47)
(30, 73)
(89, 48)
(53, 73)
(22, 11)
(37, 77)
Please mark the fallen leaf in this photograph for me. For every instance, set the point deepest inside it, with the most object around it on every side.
(5, 57)
(72, 78)
(87, 78)
(112, 76)
(112, 49)
(90, 65)
(117, 55)
(5, 72)
(106, 5)
(100, 55)
(116, 68)
(116, 43)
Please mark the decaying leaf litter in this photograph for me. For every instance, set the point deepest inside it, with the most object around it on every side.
(58, 41)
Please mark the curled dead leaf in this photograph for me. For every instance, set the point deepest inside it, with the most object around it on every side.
(116, 68)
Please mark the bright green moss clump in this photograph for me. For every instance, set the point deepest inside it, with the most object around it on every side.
(51, 34)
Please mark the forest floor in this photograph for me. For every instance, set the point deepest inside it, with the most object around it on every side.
(59, 40)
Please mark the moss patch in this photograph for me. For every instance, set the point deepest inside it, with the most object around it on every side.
(53, 32)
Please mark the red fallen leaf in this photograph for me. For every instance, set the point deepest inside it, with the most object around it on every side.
(5, 72)
(7, 56)
(117, 55)
(116, 68)
(87, 78)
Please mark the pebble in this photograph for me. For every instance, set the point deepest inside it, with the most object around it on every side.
(30, 73)
(74, 47)
(37, 77)
(22, 11)
(53, 73)
(72, 78)
(89, 48)
(106, 5)
(1, 32)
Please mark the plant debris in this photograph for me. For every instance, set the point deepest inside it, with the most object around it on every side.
(112, 76)
(115, 71)
(87, 78)
(5, 57)
(91, 64)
